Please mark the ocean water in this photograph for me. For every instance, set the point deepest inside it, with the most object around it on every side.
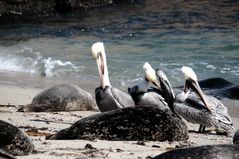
(200, 34)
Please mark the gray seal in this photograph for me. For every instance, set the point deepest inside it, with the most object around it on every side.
(14, 141)
(226, 151)
(5, 155)
(236, 137)
(63, 97)
(130, 123)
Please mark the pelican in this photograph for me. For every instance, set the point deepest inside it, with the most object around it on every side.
(108, 97)
(208, 112)
(205, 110)
(144, 95)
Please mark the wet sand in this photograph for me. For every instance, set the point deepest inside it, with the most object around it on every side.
(38, 125)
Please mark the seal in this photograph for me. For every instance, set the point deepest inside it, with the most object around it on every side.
(213, 83)
(5, 155)
(130, 123)
(14, 141)
(230, 92)
(236, 137)
(219, 88)
(228, 151)
(63, 97)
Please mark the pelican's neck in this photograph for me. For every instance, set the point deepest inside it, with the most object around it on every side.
(143, 86)
(181, 97)
(106, 80)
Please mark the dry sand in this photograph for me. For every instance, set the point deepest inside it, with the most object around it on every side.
(39, 125)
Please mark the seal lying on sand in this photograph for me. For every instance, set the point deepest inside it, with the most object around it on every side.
(130, 123)
(219, 88)
(226, 151)
(13, 140)
(236, 137)
(230, 92)
(213, 83)
(63, 97)
(5, 155)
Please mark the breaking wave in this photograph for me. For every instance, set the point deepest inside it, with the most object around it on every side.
(27, 61)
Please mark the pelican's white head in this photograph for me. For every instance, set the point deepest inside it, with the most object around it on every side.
(98, 52)
(191, 82)
(189, 73)
(150, 75)
(97, 48)
(149, 72)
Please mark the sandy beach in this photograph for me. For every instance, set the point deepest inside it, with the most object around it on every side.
(38, 125)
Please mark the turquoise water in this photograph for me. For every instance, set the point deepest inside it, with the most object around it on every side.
(202, 35)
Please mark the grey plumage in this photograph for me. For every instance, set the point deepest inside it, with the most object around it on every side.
(112, 98)
(194, 111)
(205, 110)
(151, 97)
(144, 95)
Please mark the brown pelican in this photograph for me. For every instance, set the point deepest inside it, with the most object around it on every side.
(164, 96)
(107, 97)
(144, 95)
(205, 110)
(221, 151)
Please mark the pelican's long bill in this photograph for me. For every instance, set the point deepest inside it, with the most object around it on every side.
(98, 52)
(191, 82)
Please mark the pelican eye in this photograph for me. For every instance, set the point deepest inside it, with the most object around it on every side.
(98, 54)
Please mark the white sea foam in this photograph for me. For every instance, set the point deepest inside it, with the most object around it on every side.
(52, 67)
(26, 61)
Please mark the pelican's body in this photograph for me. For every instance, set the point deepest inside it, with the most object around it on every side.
(161, 97)
(107, 97)
(145, 96)
(112, 98)
(152, 97)
(206, 111)
(194, 111)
